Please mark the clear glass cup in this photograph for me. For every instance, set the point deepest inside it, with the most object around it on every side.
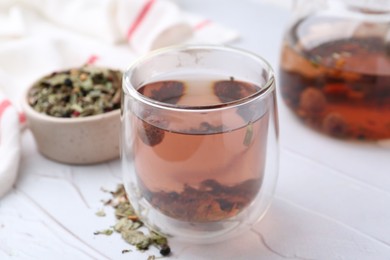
(199, 141)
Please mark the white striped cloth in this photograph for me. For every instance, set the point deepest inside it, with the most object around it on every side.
(9, 144)
(144, 24)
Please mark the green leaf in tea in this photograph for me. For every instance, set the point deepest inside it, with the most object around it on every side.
(248, 135)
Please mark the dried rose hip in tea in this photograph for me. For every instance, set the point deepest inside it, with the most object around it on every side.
(312, 101)
(231, 90)
(149, 133)
(334, 124)
(164, 91)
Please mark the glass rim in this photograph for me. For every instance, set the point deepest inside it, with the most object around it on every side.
(264, 91)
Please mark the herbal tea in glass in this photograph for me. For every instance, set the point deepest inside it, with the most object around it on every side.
(211, 170)
(195, 147)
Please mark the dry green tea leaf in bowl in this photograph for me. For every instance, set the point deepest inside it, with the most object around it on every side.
(77, 92)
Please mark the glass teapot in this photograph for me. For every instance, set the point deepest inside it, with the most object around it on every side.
(335, 67)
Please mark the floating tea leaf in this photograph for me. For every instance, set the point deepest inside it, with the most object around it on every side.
(248, 135)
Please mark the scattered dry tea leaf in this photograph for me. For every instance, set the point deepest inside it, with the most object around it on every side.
(158, 239)
(100, 213)
(107, 232)
(124, 209)
(128, 225)
(126, 251)
(136, 238)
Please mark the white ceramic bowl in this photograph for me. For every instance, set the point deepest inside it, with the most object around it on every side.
(84, 140)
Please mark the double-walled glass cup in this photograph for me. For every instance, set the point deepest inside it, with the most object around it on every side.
(199, 141)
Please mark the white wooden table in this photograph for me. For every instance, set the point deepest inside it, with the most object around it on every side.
(332, 200)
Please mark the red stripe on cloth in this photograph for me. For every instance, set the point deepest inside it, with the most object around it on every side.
(202, 24)
(145, 9)
(22, 118)
(92, 59)
(3, 106)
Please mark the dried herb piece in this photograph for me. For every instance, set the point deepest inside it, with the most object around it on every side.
(100, 213)
(124, 209)
(165, 250)
(77, 93)
(136, 238)
(128, 225)
(107, 232)
(211, 201)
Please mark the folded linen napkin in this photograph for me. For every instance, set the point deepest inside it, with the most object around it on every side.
(38, 37)
(144, 24)
(9, 144)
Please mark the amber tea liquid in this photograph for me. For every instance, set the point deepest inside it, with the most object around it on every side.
(341, 88)
(207, 167)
